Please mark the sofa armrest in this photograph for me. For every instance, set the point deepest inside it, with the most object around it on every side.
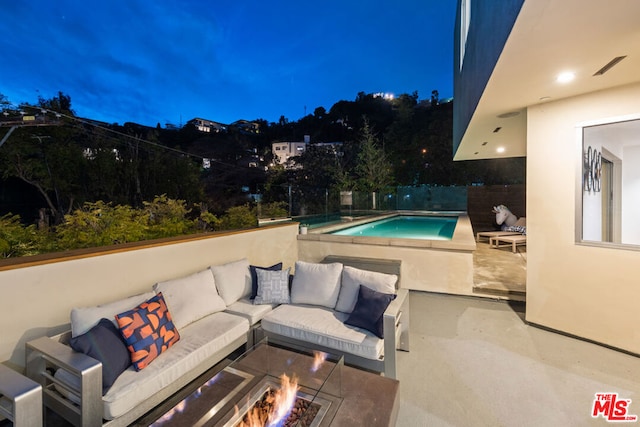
(78, 400)
(396, 330)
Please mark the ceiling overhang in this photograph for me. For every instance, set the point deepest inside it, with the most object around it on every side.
(550, 37)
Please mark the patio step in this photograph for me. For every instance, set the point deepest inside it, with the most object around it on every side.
(500, 291)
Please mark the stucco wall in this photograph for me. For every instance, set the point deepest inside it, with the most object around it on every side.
(588, 291)
(422, 269)
(434, 266)
(36, 301)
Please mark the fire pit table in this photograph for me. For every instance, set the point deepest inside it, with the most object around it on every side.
(273, 385)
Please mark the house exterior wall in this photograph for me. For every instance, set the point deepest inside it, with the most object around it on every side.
(282, 151)
(591, 292)
(36, 300)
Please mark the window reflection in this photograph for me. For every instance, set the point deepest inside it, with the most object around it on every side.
(611, 183)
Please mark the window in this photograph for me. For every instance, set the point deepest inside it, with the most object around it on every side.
(610, 184)
(465, 20)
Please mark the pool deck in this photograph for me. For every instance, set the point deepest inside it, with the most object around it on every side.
(463, 238)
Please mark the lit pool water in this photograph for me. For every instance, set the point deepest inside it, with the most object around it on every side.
(405, 227)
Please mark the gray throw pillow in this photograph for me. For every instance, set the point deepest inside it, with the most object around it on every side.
(254, 277)
(273, 287)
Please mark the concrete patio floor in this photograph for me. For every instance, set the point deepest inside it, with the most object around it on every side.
(475, 362)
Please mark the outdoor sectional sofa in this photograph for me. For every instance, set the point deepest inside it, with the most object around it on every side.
(211, 316)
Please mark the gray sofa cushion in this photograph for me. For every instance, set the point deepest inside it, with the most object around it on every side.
(352, 278)
(198, 341)
(252, 312)
(317, 284)
(324, 327)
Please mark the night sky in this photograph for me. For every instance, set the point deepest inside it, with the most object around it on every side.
(170, 61)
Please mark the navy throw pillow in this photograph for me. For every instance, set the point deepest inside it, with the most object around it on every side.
(104, 343)
(254, 276)
(369, 310)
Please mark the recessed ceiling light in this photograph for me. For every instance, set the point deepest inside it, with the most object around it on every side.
(545, 98)
(565, 77)
(485, 143)
(500, 149)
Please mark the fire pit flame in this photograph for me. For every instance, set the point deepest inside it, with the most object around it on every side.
(285, 398)
(318, 360)
(281, 401)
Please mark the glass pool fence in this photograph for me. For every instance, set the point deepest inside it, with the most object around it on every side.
(320, 206)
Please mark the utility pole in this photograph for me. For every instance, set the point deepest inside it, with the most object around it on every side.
(7, 135)
(24, 120)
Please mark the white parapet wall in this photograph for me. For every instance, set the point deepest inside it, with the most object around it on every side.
(444, 266)
(38, 296)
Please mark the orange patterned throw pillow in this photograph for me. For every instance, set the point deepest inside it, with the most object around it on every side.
(148, 331)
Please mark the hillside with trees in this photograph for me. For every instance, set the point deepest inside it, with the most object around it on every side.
(57, 165)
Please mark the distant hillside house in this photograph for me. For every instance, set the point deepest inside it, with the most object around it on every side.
(246, 126)
(204, 125)
(283, 151)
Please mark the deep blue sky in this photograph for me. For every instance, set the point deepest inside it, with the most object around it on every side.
(170, 61)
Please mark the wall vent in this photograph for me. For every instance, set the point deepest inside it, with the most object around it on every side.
(609, 65)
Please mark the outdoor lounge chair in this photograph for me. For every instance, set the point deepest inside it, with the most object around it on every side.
(490, 234)
(520, 239)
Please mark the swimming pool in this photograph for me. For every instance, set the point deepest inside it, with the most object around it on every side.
(405, 227)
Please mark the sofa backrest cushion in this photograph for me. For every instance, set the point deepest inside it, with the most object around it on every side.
(85, 318)
(316, 284)
(191, 297)
(233, 280)
(352, 278)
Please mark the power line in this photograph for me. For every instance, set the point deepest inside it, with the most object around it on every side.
(135, 138)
